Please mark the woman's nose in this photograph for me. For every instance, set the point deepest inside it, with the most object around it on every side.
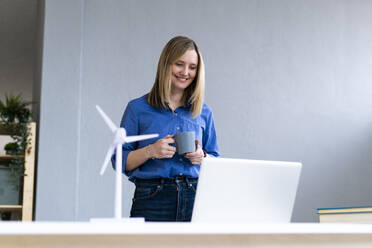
(185, 71)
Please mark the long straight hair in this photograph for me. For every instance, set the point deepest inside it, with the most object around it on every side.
(194, 94)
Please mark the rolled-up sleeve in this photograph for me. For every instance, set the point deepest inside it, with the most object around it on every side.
(210, 144)
(129, 121)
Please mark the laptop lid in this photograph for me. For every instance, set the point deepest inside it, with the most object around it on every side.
(240, 190)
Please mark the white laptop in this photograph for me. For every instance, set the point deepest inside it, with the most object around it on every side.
(240, 190)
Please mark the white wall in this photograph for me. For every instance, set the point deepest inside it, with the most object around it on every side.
(287, 80)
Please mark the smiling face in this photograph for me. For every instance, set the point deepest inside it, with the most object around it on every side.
(184, 70)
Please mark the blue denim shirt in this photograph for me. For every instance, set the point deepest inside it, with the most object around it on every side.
(141, 118)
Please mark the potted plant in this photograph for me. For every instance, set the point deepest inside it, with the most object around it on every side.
(14, 116)
(11, 147)
(14, 109)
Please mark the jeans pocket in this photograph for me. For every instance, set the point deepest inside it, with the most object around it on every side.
(144, 192)
(194, 186)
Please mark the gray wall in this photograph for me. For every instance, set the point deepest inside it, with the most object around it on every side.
(287, 80)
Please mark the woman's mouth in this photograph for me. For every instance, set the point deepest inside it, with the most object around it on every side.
(182, 79)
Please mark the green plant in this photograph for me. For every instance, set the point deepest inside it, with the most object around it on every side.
(15, 115)
(14, 109)
(11, 148)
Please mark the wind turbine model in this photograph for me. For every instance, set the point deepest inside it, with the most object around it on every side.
(120, 138)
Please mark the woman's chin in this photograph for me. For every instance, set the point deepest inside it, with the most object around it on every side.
(180, 85)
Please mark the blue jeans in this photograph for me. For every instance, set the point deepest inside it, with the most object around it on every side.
(164, 199)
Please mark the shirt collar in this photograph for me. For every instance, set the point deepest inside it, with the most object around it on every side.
(185, 107)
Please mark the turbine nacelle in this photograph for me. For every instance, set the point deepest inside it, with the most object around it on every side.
(120, 135)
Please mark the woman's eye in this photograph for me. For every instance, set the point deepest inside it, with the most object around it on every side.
(193, 68)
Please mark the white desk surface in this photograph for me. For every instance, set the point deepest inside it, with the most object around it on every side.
(111, 228)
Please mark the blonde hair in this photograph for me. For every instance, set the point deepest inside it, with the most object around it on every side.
(194, 94)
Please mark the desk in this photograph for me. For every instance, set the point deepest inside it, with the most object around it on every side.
(101, 234)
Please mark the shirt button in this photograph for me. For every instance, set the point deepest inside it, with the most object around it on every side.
(178, 128)
(181, 174)
(181, 161)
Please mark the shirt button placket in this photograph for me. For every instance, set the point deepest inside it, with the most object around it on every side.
(177, 127)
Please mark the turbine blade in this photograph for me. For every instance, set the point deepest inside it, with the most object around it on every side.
(129, 139)
(107, 159)
(108, 121)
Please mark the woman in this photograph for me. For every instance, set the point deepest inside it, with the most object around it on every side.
(165, 181)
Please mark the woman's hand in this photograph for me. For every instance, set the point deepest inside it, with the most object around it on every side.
(197, 156)
(162, 148)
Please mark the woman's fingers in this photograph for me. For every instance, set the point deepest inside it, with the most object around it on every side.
(169, 139)
(196, 161)
(163, 149)
(171, 149)
(168, 154)
(197, 156)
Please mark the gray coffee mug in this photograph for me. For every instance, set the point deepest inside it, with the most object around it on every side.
(185, 142)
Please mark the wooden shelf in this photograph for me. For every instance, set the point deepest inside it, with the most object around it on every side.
(27, 199)
(10, 208)
(6, 156)
(5, 159)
